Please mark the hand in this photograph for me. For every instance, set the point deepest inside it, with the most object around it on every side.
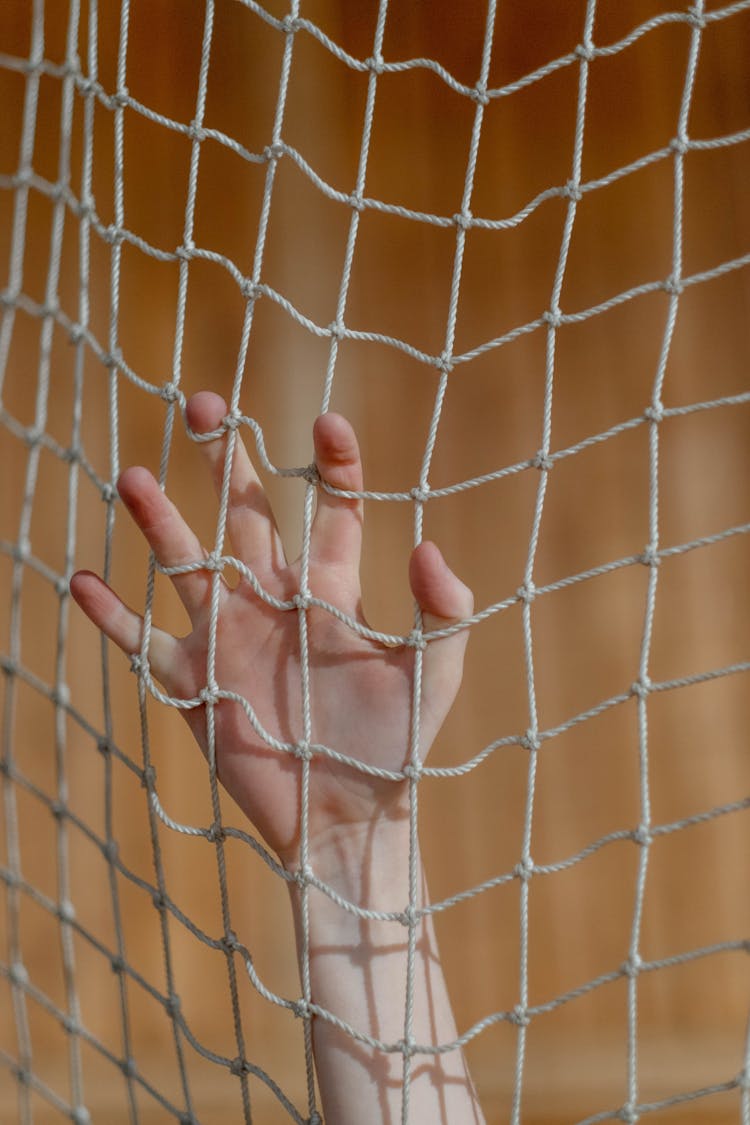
(361, 691)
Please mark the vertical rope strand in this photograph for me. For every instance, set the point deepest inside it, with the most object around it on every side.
(18, 974)
(526, 865)
(645, 838)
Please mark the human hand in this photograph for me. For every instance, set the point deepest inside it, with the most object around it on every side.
(361, 690)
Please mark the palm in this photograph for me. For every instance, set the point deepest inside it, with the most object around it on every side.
(360, 691)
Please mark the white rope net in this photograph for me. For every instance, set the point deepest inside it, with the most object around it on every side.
(72, 439)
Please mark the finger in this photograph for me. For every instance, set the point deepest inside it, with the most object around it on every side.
(169, 537)
(337, 527)
(250, 521)
(443, 599)
(103, 607)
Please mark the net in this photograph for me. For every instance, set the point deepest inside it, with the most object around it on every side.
(299, 207)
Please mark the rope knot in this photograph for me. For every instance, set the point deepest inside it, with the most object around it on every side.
(302, 600)
(249, 290)
(170, 392)
(413, 771)
(479, 94)
(336, 330)
(232, 420)
(238, 1067)
(552, 317)
(209, 694)
(654, 413)
(356, 202)
(463, 219)
(421, 495)
(301, 1008)
(311, 475)
(520, 1017)
(303, 751)
(273, 152)
(216, 833)
(585, 52)
(573, 191)
(642, 836)
(375, 64)
(416, 640)
(650, 556)
(632, 966)
(543, 461)
(109, 493)
(641, 687)
(524, 870)
(290, 24)
(139, 664)
(696, 18)
(196, 132)
(530, 740)
(75, 333)
(673, 286)
(303, 876)
(229, 942)
(408, 1046)
(526, 593)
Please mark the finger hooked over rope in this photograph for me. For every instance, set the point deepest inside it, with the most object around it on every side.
(443, 599)
(120, 623)
(337, 527)
(250, 520)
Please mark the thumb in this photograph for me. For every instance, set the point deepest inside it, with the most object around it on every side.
(443, 599)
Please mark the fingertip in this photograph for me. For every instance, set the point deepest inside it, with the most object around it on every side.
(438, 591)
(132, 482)
(205, 411)
(337, 451)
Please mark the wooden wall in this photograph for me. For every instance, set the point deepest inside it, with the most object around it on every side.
(587, 637)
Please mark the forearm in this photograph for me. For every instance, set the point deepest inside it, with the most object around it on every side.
(359, 970)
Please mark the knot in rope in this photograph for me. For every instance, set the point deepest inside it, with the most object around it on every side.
(209, 695)
(302, 600)
(526, 593)
(170, 392)
(421, 495)
(413, 771)
(696, 18)
(654, 413)
(520, 1017)
(311, 475)
(524, 870)
(543, 462)
(632, 966)
(650, 556)
(303, 751)
(232, 420)
(479, 94)
(238, 1067)
(301, 1008)
(552, 317)
(463, 219)
(375, 64)
(641, 687)
(673, 286)
(356, 202)
(642, 836)
(573, 191)
(416, 640)
(273, 152)
(585, 52)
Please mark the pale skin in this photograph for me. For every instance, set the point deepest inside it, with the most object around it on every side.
(361, 695)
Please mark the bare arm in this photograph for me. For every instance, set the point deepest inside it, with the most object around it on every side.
(361, 706)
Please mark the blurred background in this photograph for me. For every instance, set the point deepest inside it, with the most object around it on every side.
(66, 797)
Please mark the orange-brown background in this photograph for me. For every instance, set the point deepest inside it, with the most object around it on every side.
(587, 638)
